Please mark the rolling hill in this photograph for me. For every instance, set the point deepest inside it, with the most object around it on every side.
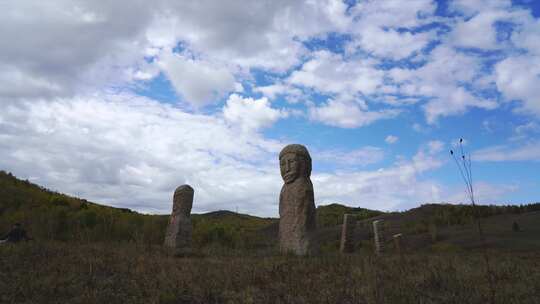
(50, 215)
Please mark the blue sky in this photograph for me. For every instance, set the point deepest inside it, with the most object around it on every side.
(121, 102)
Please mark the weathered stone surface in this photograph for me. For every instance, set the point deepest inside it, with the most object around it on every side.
(378, 236)
(347, 234)
(296, 201)
(397, 242)
(178, 235)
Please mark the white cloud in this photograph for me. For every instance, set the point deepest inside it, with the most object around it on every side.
(527, 34)
(389, 43)
(347, 114)
(197, 81)
(128, 151)
(58, 48)
(418, 128)
(527, 152)
(391, 139)
(257, 34)
(330, 73)
(435, 146)
(360, 157)
(478, 32)
(518, 78)
(393, 13)
(456, 102)
(484, 193)
(292, 94)
(487, 125)
(525, 131)
(250, 114)
(472, 7)
(397, 187)
(132, 152)
(441, 79)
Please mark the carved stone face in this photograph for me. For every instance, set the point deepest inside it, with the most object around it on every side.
(292, 166)
(183, 200)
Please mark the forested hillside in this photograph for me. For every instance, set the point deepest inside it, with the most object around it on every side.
(49, 215)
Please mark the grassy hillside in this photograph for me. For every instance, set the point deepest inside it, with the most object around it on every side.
(332, 215)
(50, 215)
(55, 216)
(88, 253)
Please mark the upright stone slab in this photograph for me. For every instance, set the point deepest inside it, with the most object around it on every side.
(347, 234)
(296, 201)
(178, 235)
(378, 236)
(397, 242)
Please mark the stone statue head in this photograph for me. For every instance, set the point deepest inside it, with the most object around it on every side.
(294, 162)
(183, 200)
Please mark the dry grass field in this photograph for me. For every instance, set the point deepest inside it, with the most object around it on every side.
(89, 253)
(52, 272)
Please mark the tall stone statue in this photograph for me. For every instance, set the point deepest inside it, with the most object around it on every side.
(296, 201)
(178, 235)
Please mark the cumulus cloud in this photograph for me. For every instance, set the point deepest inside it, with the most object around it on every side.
(389, 43)
(58, 128)
(58, 48)
(330, 73)
(457, 102)
(197, 81)
(397, 187)
(360, 157)
(391, 139)
(129, 151)
(250, 114)
(473, 7)
(441, 79)
(347, 114)
(93, 44)
(527, 152)
(479, 31)
(518, 79)
(435, 146)
(133, 154)
(393, 13)
(292, 94)
(484, 193)
(526, 130)
(379, 28)
(258, 34)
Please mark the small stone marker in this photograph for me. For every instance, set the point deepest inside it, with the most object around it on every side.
(296, 201)
(178, 235)
(347, 234)
(397, 242)
(378, 236)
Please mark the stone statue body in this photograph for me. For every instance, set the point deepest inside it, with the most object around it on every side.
(179, 231)
(296, 201)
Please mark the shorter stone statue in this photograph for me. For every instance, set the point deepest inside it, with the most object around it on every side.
(397, 242)
(178, 236)
(378, 236)
(297, 222)
(347, 234)
(515, 227)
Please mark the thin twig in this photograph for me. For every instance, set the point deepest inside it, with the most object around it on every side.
(465, 170)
